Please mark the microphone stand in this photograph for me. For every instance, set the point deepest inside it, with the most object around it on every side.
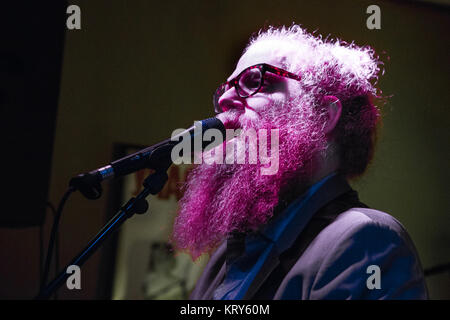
(152, 185)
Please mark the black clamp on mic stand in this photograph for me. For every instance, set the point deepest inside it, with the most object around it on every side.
(152, 185)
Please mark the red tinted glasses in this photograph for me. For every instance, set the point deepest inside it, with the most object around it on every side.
(249, 82)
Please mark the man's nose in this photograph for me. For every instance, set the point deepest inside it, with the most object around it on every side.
(231, 100)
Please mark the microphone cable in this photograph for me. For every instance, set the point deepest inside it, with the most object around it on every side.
(53, 236)
(41, 246)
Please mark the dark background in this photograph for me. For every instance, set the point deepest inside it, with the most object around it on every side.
(139, 69)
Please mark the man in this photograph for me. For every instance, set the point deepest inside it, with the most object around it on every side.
(301, 232)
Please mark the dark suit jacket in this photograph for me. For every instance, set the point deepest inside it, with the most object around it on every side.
(330, 255)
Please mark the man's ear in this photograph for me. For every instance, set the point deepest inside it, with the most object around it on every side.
(334, 108)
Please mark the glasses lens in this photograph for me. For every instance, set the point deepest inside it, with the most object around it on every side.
(249, 82)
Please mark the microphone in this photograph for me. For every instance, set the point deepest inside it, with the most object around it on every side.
(156, 157)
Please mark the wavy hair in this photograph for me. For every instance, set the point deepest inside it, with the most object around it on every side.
(345, 70)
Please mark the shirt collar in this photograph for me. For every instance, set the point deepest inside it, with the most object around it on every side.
(238, 243)
(273, 230)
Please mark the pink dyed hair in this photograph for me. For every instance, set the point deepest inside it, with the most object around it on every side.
(347, 71)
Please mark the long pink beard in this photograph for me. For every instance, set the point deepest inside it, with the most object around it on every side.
(221, 198)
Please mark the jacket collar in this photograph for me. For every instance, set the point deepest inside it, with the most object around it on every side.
(293, 220)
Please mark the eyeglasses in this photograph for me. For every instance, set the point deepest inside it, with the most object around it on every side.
(249, 82)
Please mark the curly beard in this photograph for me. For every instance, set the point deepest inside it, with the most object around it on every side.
(222, 198)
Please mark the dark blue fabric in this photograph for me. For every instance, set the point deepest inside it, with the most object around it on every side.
(242, 270)
(332, 262)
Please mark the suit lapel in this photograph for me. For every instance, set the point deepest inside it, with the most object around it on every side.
(331, 189)
(269, 265)
(211, 277)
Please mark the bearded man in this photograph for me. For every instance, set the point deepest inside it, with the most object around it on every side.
(301, 231)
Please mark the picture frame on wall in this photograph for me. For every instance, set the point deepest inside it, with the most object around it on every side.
(140, 263)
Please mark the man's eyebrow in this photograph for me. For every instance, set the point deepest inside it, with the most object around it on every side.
(235, 73)
(232, 76)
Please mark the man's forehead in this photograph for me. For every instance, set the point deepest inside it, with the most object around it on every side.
(263, 52)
